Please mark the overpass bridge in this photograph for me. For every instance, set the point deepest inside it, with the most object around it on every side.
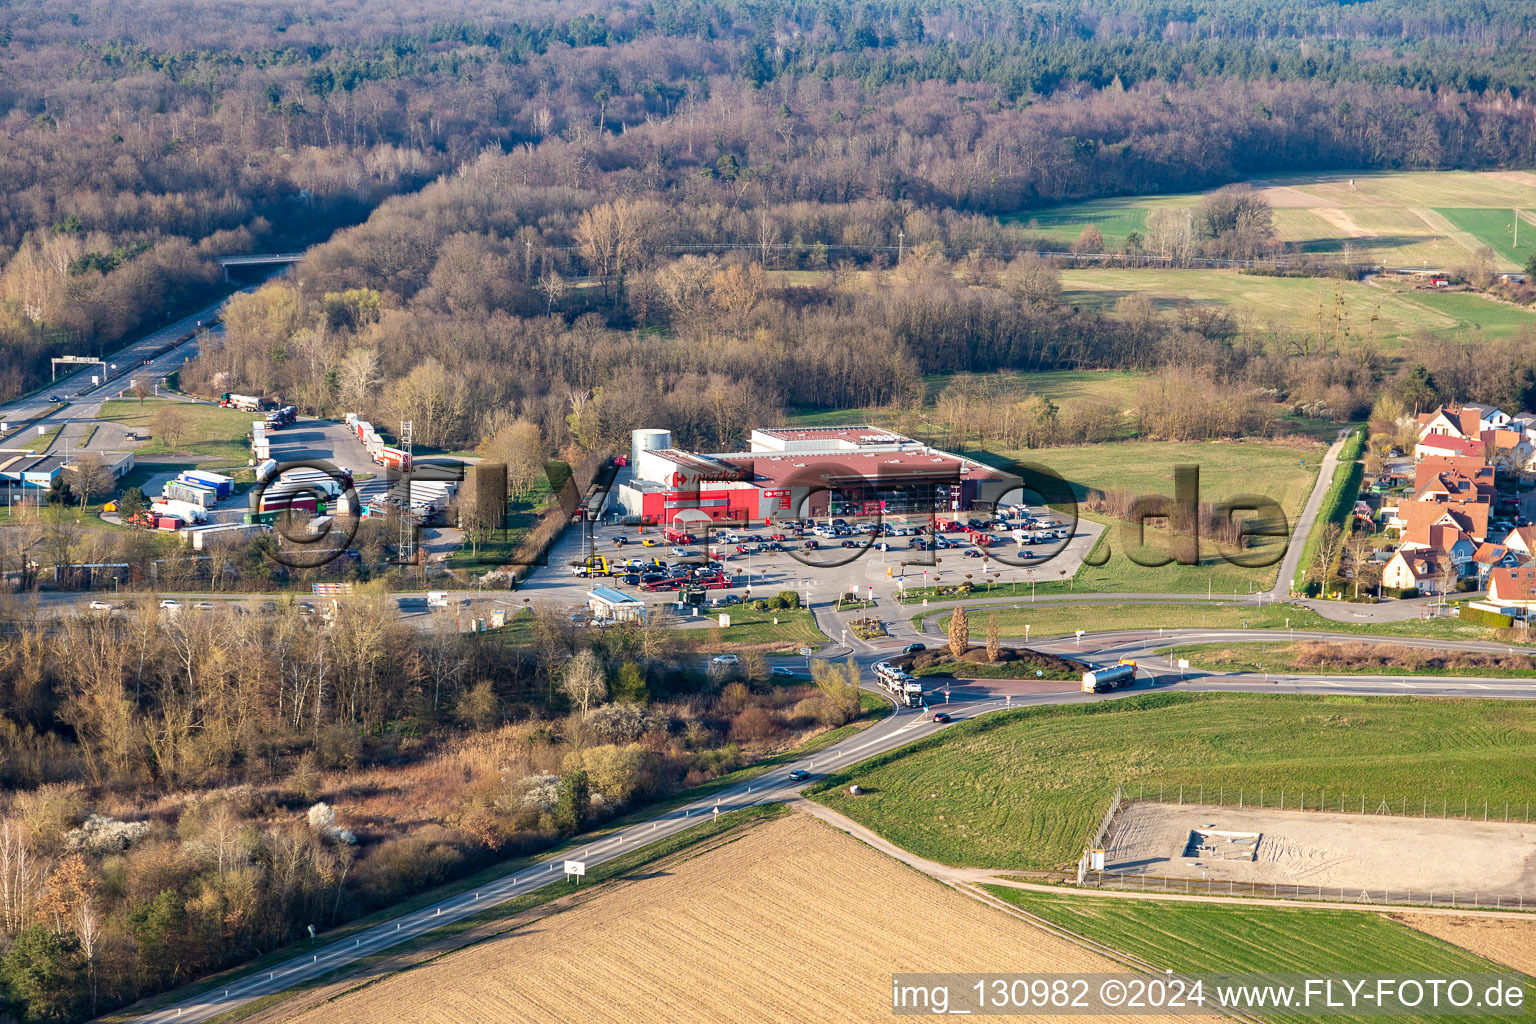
(261, 259)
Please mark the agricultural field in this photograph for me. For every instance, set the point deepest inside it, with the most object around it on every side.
(1204, 937)
(1023, 790)
(1512, 943)
(787, 921)
(1286, 305)
(1411, 219)
(1227, 470)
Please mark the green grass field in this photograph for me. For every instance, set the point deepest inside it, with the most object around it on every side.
(208, 431)
(1280, 656)
(1496, 229)
(1052, 619)
(1025, 789)
(1204, 938)
(1475, 315)
(1116, 388)
(1227, 470)
(1288, 304)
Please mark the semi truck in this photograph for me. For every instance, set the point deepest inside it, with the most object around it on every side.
(393, 458)
(285, 416)
(197, 494)
(183, 510)
(1104, 680)
(903, 687)
(200, 536)
(223, 485)
(246, 403)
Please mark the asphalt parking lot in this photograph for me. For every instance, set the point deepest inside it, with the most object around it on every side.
(865, 568)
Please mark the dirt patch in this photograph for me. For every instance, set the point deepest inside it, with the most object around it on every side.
(1348, 851)
(1343, 221)
(1509, 942)
(792, 921)
(1287, 197)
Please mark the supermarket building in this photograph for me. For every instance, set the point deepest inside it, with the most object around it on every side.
(795, 472)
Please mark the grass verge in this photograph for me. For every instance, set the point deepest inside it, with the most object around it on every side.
(1281, 656)
(1062, 619)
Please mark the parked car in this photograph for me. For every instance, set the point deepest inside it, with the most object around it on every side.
(679, 552)
(781, 670)
(204, 606)
(972, 553)
(725, 659)
(100, 606)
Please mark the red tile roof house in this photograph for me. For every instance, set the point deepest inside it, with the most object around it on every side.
(1513, 588)
(1489, 557)
(1521, 539)
(1415, 569)
(1414, 519)
(1446, 444)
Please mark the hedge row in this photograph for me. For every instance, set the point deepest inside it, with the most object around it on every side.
(1337, 504)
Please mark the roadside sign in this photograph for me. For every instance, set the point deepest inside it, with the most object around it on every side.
(946, 696)
(805, 652)
(1098, 860)
(576, 867)
(1009, 699)
(1183, 664)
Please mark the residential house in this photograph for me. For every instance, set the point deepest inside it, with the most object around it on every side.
(1420, 570)
(1415, 518)
(1513, 588)
(1449, 422)
(1522, 540)
(1488, 417)
(1430, 471)
(1489, 557)
(1443, 541)
(1447, 444)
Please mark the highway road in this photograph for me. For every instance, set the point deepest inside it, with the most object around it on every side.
(902, 726)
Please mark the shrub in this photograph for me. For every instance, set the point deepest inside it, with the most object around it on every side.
(753, 724)
(1483, 617)
(791, 598)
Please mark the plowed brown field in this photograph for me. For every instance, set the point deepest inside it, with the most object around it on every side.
(792, 921)
(1506, 940)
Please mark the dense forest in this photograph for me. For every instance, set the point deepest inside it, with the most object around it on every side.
(143, 138)
(188, 791)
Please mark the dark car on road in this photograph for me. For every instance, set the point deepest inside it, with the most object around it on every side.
(914, 648)
(940, 716)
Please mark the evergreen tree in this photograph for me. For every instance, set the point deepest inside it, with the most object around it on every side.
(959, 633)
(573, 801)
(45, 974)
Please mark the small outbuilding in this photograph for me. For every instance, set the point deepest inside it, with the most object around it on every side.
(615, 605)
